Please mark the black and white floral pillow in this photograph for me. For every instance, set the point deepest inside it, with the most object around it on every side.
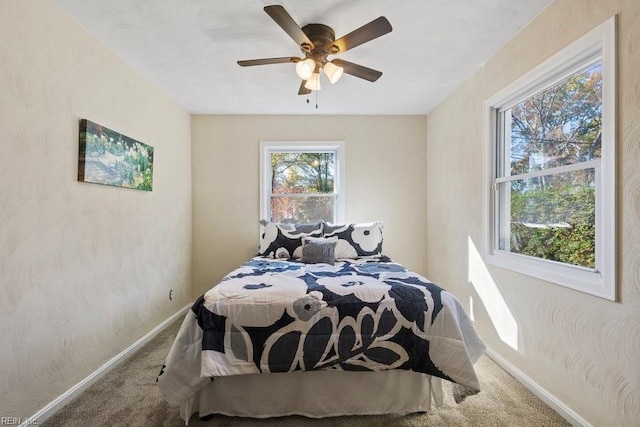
(356, 240)
(279, 240)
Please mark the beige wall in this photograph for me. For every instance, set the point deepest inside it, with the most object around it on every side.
(85, 269)
(582, 349)
(385, 180)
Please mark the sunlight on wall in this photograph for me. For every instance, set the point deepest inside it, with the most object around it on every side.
(502, 318)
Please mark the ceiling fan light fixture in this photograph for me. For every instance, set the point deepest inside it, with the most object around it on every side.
(305, 68)
(313, 83)
(317, 41)
(333, 72)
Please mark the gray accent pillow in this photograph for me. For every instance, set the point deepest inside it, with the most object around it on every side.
(318, 250)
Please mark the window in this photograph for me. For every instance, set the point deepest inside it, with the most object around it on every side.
(551, 200)
(302, 182)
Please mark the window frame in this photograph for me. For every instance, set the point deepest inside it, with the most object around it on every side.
(269, 147)
(598, 44)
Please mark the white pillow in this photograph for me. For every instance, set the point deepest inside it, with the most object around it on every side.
(356, 240)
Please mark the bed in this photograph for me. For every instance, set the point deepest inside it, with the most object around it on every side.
(320, 324)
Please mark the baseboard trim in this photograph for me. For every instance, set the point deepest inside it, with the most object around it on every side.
(46, 412)
(560, 407)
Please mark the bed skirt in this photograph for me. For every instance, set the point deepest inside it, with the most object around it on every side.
(315, 394)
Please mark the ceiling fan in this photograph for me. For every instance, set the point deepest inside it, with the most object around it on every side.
(317, 42)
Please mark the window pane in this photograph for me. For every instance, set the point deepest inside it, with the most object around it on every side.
(551, 217)
(302, 209)
(559, 126)
(295, 173)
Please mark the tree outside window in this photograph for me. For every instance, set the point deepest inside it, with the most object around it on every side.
(302, 187)
(302, 182)
(552, 215)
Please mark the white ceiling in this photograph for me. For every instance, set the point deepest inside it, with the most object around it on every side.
(189, 49)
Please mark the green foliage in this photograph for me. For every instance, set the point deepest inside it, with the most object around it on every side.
(147, 180)
(538, 229)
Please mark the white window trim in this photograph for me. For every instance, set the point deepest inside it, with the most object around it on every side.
(268, 147)
(599, 43)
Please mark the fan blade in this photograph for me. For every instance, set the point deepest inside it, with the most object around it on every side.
(303, 90)
(374, 29)
(358, 70)
(286, 22)
(266, 61)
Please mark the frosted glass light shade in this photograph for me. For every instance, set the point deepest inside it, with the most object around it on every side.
(333, 72)
(313, 83)
(305, 68)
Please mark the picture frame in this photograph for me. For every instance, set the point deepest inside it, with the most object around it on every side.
(110, 158)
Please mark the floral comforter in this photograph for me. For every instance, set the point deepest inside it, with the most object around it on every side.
(360, 315)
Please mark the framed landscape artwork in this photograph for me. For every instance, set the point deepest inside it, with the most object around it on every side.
(109, 158)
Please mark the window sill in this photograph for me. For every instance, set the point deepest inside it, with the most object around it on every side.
(581, 279)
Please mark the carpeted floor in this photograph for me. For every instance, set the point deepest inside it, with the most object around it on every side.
(129, 396)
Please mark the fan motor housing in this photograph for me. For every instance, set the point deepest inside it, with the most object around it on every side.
(322, 37)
